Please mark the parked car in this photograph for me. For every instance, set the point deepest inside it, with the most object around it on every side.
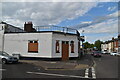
(97, 54)
(118, 54)
(113, 53)
(6, 58)
(104, 52)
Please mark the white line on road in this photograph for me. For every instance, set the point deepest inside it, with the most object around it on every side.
(55, 74)
(2, 69)
(93, 73)
(86, 73)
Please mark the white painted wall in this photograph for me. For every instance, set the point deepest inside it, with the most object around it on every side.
(62, 37)
(104, 47)
(18, 43)
(1, 40)
(109, 47)
(1, 36)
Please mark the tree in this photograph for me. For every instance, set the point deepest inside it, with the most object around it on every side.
(87, 45)
(97, 44)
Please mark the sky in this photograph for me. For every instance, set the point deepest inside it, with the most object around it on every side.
(94, 20)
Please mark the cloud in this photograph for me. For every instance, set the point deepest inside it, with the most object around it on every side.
(105, 37)
(98, 20)
(86, 22)
(111, 8)
(103, 28)
(60, 0)
(110, 26)
(44, 13)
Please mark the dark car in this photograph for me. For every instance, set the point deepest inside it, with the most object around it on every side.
(97, 54)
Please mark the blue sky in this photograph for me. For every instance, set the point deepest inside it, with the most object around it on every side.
(101, 10)
(99, 20)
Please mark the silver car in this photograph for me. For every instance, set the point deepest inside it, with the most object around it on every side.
(6, 58)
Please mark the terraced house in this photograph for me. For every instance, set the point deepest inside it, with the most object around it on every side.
(110, 45)
(39, 41)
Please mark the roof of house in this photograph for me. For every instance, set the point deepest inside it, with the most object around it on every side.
(54, 32)
(53, 29)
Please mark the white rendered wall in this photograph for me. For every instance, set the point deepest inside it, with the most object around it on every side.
(62, 37)
(18, 43)
(1, 40)
(110, 47)
(1, 37)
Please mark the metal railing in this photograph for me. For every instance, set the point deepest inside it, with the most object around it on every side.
(45, 28)
(56, 28)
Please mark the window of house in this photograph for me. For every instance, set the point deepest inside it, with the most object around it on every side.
(72, 46)
(33, 46)
(57, 47)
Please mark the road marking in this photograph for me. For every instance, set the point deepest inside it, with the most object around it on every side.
(86, 73)
(55, 74)
(93, 73)
(2, 69)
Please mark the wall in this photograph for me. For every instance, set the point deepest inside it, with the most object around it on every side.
(18, 43)
(62, 37)
(109, 48)
(1, 37)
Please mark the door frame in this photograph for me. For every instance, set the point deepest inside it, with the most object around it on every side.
(65, 50)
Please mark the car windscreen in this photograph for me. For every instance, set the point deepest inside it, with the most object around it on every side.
(4, 53)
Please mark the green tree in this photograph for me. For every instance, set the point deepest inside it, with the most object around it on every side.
(97, 44)
(87, 45)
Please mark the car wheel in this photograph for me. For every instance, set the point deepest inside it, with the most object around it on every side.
(4, 61)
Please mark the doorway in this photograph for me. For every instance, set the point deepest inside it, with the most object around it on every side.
(65, 50)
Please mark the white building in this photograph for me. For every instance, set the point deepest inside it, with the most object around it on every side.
(43, 44)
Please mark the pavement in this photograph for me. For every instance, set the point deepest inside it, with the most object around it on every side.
(77, 64)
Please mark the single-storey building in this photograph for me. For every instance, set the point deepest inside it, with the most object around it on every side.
(35, 43)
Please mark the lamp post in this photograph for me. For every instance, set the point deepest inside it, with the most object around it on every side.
(82, 40)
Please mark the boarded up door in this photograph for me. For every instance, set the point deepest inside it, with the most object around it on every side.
(65, 50)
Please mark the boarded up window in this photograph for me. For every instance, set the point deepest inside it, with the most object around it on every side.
(57, 47)
(72, 46)
(33, 46)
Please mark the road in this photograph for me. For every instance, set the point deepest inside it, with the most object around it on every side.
(104, 67)
(30, 71)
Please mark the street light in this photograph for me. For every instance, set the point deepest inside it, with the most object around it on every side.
(82, 39)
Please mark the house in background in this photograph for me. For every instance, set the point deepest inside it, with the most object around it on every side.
(110, 45)
(36, 42)
(119, 43)
(116, 45)
(105, 46)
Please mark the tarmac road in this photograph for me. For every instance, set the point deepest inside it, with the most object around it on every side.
(107, 66)
(24, 71)
(104, 67)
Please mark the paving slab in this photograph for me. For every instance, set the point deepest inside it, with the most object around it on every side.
(60, 65)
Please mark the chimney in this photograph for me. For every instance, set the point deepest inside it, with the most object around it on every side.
(28, 27)
(112, 38)
(119, 36)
